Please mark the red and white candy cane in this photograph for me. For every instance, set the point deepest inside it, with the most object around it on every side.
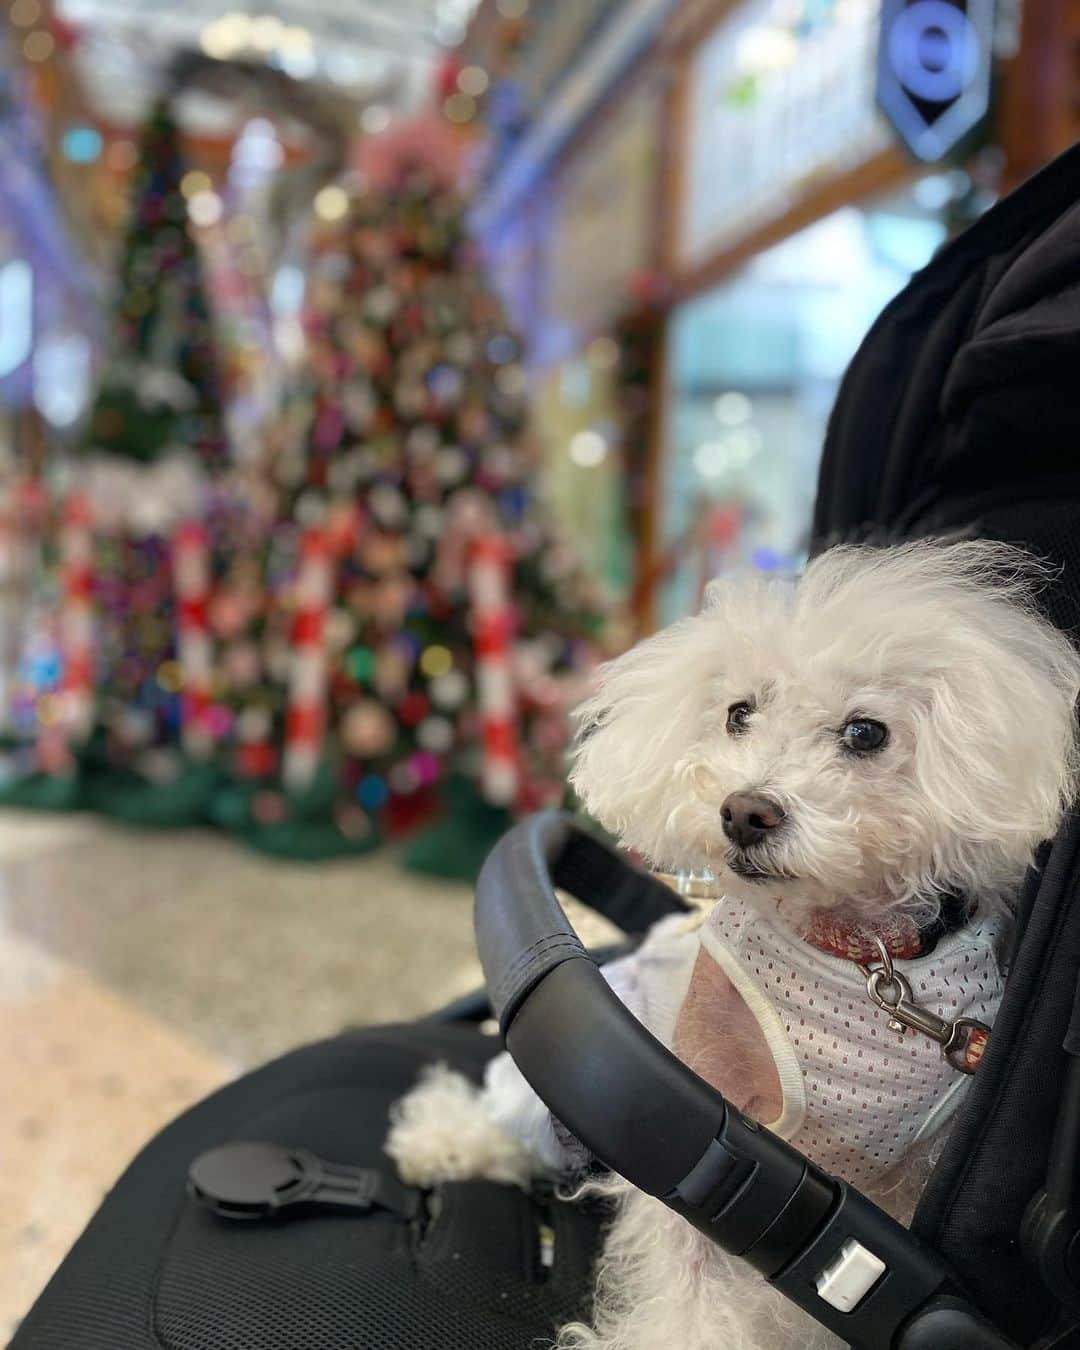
(194, 648)
(305, 722)
(490, 565)
(72, 722)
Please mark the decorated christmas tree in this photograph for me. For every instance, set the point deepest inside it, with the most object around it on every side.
(134, 727)
(155, 454)
(426, 616)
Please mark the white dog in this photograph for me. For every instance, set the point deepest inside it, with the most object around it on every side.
(865, 762)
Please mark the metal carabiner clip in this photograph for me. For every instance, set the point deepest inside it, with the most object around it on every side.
(892, 993)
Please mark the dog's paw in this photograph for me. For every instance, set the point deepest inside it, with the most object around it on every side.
(440, 1132)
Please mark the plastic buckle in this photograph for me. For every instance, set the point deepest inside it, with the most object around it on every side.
(263, 1181)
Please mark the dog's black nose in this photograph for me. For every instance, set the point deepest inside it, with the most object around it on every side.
(748, 817)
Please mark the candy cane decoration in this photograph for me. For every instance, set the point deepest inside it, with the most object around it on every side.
(493, 626)
(72, 721)
(305, 723)
(191, 582)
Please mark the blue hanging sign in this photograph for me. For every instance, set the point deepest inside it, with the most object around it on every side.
(934, 69)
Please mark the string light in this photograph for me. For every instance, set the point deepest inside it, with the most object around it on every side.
(473, 80)
(459, 108)
(170, 676)
(195, 182)
(82, 145)
(331, 202)
(205, 209)
(39, 45)
(295, 41)
(436, 661)
(24, 13)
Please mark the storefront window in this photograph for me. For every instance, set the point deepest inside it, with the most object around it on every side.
(754, 368)
(785, 94)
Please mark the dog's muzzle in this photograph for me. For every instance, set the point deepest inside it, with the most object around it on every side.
(748, 818)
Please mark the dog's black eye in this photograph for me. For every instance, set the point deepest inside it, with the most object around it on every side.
(862, 736)
(738, 718)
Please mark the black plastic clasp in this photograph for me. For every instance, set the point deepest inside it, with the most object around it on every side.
(759, 1198)
(264, 1181)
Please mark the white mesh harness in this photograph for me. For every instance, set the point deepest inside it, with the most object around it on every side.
(856, 1094)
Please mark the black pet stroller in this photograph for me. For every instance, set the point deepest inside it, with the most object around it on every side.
(960, 412)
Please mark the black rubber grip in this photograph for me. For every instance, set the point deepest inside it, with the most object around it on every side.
(521, 931)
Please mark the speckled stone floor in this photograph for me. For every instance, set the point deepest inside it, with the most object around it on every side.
(138, 971)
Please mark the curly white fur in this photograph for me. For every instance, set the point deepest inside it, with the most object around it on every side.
(942, 644)
(440, 1132)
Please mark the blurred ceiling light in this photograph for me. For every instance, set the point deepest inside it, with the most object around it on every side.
(714, 459)
(293, 40)
(237, 26)
(228, 35)
(24, 13)
(39, 45)
(62, 367)
(216, 43)
(512, 9)
(344, 67)
(764, 49)
(205, 209)
(331, 202)
(299, 64)
(732, 409)
(194, 182)
(588, 449)
(265, 32)
(375, 118)
(16, 314)
(473, 80)
(459, 108)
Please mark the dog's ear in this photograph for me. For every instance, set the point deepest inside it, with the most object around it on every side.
(998, 756)
(633, 735)
(636, 736)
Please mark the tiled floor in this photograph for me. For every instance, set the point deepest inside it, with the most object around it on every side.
(138, 971)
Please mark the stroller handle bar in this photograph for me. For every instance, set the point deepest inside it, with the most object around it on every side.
(648, 1117)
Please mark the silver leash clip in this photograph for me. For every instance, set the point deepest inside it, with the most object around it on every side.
(893, 994)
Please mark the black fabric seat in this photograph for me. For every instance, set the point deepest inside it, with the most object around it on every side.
(155, 1271)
